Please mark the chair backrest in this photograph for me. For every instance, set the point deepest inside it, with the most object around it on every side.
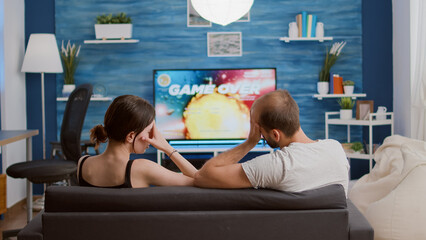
(72, 122)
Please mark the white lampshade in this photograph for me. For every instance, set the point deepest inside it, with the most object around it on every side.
(42, 55)
(222, 12)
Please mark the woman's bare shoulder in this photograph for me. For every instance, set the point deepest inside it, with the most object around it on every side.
(141, 162)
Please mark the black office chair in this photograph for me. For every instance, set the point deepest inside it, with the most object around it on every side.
(56, 149)
(48, 171)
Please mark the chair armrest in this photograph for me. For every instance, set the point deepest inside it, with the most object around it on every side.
(33, 230)
(359, 227)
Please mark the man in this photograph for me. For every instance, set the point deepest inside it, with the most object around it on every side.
(299, 164)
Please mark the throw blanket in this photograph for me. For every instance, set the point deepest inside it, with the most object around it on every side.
(393, 194)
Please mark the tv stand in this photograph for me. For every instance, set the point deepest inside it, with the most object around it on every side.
(215, 149)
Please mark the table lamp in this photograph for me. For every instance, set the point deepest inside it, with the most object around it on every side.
(42, 56)
(222, 12)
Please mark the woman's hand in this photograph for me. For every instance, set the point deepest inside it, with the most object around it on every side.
(157, 140)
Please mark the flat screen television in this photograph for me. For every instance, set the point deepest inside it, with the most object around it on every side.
(208, 104)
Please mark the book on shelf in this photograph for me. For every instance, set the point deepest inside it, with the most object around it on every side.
(309, 25)
(337, 84)
(304, 24)
(314, 25)
(299, 24)
(331, 84)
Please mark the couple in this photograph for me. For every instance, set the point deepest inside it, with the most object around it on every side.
(299, 164)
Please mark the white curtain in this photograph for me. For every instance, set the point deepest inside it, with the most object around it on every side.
(418, 101)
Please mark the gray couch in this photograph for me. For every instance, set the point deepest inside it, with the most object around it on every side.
(168, 213)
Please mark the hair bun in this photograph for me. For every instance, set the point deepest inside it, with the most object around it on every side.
(98, 135)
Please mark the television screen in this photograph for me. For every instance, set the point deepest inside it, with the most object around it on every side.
(209, 103)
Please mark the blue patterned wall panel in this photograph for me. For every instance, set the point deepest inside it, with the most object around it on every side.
(167, 43)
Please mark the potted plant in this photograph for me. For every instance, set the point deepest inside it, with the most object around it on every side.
(346, 105)
(348, 87)
(357, 147)
(113, 26)
(330, 59)
(70, 59)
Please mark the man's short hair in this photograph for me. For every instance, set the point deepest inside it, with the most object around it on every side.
(279, 111)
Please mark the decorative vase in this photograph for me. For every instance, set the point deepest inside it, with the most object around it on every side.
(348, 89)
(293, 31)
(113, 31)
(322, 87)
(319, 30)
(345, 114)
(67, 89)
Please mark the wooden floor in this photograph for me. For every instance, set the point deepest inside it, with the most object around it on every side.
(15, 217)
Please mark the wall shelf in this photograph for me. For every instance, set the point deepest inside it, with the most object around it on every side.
(319, 39)
(353, 96)
(107, 41)
(99, 99)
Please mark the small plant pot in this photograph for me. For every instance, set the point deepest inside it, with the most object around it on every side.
(113, 31)
(67, 89)
(322, 87)
(348, 89)
(345, 114)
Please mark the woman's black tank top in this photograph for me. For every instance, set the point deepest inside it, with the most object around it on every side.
(126, 184)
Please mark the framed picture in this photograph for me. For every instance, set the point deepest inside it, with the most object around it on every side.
(193, 19)
(364, 108)
(224, 44)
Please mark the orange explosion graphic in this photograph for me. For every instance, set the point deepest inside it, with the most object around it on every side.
(216, 115)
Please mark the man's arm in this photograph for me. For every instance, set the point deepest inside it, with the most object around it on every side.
(224, 171)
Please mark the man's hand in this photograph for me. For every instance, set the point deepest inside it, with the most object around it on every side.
(254, 135)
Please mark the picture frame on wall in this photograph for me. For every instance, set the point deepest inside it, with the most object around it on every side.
(364, 108)
(224, 44)
(193, 19)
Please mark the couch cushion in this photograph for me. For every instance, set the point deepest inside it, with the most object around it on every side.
(90, 199)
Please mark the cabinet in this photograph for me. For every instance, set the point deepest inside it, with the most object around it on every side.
(3, 205)
(330, 119)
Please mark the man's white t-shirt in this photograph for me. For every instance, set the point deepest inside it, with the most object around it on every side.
(300, 166)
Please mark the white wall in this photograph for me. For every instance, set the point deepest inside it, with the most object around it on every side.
(401, 67)
(12, 86)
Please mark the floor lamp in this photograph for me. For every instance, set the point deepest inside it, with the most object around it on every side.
(42, 56)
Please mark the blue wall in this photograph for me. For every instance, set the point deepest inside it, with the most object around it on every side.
(377, 66)
(166, 42)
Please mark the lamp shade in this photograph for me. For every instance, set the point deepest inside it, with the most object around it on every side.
(222, 12)
(42, 55)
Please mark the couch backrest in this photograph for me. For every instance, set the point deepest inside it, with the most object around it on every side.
(91, 199)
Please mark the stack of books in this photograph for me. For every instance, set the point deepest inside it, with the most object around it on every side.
(336, 84)
(306, 24)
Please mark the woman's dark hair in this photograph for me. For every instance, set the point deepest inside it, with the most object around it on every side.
(126, 113)
(280, 112)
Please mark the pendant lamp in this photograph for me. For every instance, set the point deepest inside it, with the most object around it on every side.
(222, 12)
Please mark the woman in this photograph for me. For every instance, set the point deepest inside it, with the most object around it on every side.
(129, 127)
